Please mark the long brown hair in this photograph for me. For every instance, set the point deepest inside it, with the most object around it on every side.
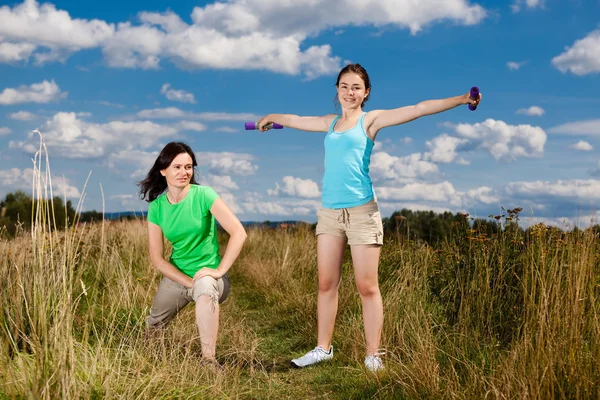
(155, 184)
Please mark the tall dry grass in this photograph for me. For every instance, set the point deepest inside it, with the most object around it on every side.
(499, 317)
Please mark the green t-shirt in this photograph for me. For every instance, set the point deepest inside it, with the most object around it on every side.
(190, 227)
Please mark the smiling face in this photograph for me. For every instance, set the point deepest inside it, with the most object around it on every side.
(352, 91)
(179, 173)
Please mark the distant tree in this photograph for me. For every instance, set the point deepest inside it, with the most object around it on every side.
(17, 210)
(91, 216)
(486, 226)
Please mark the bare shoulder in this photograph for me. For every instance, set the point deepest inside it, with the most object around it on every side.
(329, 119)
(370, 116)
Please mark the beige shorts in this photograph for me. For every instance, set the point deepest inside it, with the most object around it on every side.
(360, 225)
(171, 297)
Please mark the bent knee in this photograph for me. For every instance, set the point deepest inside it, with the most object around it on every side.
(205, 288)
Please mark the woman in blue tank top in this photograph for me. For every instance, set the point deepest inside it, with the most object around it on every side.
(350, 214)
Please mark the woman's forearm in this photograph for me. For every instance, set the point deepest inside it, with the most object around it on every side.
(429, 107)
(282, 119)
(171, 272)
(232, 251)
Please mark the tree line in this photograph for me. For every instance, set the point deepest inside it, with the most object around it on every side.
(16, 212)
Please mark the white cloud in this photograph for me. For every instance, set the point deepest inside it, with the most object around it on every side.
(229, 165)
(222, 183)
(481, 194)
(515, 66)
(564, 223)
(219, 165)
(296, 187)
(30, 27)
(504, 141)
(22, 179)
(532, 111)
(175, 113)
(443, 149)
(126, 160)
(530, 4)
(200, 46)
(63, 189)
(4, 131)
(13, 52)
(191, 126)
(22, 116)
(240, 17)
(462, 161)
(240, 34)
(255, 204)
(43, 92)
(582, 146)
(400, 169)
(589, 127)
(577, 190)
(582, 58)
(438, 192)
(163, 113)
(406, 140)
(177, 95)
(69, 137)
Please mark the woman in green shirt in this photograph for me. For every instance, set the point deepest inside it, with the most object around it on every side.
(184, 213)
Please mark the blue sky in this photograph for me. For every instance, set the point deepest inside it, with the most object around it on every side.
(108, 84)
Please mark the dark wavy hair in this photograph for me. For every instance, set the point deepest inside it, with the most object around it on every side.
(155, 184)
(358, 70)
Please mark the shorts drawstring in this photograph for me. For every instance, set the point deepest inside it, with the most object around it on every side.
(344, 217)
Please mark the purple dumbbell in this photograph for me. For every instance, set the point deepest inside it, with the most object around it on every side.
(473, 94)
(250, 126)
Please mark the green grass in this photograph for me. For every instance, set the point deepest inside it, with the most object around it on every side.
(476, 318)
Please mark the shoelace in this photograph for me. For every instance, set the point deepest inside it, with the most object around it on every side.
(378, 353)
(314, 351)
(317, 350)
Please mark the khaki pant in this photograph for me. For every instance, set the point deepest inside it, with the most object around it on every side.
(360, 225)
(172, 297)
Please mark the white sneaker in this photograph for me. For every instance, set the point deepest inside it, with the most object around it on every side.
(373, 362)
(314, 356)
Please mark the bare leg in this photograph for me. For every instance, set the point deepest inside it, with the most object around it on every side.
(366, 260)
(330, 254)
(207, 319)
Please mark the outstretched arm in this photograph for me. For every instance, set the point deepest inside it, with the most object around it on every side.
(237, 237)
(155, 246)
(379, 119)
(310, 124)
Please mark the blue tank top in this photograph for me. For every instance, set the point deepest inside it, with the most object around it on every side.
(346, 182)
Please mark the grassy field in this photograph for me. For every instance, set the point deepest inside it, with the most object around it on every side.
(478, 317)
